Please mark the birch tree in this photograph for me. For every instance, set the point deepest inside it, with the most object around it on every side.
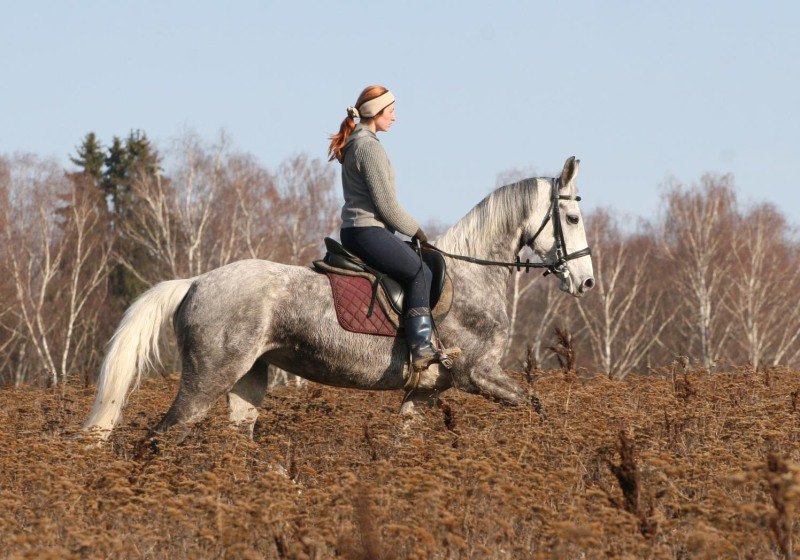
(540, 303)
(696, 239)
(619, 315)
(521, 283)
(171, 216)
(764, 296)
(308, 207)
(785, 338)
(57, 256)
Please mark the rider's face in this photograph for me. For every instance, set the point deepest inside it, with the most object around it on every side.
(384, 121)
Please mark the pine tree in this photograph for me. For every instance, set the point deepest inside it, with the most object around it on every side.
(114, 181)
(90, 157)
(113, 172)
(87, 181)
(141, 153)
(124, 160)
(128, 161)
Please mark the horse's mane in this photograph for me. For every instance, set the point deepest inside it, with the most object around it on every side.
(502, 210)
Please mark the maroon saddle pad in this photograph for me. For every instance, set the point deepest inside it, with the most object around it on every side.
(351, 297)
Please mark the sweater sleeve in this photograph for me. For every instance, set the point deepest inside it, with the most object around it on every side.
(376, 170)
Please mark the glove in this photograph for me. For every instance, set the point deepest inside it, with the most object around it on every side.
(420, 236)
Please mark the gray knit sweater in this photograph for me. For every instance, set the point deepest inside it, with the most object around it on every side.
(370, 197)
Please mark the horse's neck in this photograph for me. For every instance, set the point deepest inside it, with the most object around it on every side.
(493, 229)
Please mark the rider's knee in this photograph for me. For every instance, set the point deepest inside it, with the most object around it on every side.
(427, 272)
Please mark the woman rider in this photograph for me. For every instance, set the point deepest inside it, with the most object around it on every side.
(371, 214)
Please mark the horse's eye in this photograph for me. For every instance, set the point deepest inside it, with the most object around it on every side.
(573, 219)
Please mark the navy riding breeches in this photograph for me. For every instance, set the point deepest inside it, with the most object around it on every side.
(383, 251)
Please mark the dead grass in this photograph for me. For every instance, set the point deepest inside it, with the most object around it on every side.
(637, 468)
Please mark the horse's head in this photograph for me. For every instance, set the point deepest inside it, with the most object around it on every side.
(559, 238)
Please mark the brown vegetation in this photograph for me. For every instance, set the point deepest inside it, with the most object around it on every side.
(631, 468)
(696, 460)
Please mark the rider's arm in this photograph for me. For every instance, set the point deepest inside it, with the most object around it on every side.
(379, 176)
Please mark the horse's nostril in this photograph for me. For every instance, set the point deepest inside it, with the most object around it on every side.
(588, 284)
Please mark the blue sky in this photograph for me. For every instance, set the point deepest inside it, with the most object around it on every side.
(639, 91)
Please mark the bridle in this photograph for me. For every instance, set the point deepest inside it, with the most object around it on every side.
(562, 256)
(557, 267)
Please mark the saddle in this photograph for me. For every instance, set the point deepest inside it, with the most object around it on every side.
(370, 302)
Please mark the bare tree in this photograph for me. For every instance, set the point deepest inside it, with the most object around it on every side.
(696, 239)
(308, 208)
(521, 283)
(539, 304)
(784, 337)
(213, 207)
(86, 267)
(761, 270)
(57, 255)
(171, 216)
(619, 315)
(251, 198)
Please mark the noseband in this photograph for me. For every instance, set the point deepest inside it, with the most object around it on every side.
(559, 265)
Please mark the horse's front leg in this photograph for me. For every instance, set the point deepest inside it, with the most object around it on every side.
(492, 382)
(421, 398)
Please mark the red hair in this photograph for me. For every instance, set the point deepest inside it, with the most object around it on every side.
(349, 123)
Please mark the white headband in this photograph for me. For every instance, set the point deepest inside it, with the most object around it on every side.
(370, 108)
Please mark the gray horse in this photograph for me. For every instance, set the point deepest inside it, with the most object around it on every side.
(232, 322)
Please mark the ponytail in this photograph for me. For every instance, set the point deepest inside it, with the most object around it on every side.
(338, 140)
(349, 123)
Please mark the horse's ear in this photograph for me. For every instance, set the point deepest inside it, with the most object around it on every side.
(570, 171)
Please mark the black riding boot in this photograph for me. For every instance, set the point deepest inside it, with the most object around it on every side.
(419, 329)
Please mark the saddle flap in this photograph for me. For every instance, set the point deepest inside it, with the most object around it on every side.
(436, 263)
(394, 293)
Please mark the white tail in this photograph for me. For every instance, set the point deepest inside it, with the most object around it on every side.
(133, 349)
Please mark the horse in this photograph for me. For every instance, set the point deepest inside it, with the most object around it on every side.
(232, 322)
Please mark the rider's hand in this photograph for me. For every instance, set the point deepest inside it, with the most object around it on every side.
(420, 236)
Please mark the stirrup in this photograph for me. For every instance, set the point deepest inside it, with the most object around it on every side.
(424, 362)
(447, 355)
(444, 357)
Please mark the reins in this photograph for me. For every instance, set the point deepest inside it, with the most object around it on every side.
(562, 256)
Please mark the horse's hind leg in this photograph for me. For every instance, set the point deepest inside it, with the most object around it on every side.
(247, 395)
(203, 381)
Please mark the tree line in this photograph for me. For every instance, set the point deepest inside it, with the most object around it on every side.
(80, 245)
(708, 278)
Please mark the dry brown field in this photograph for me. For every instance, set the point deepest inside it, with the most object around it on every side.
(684, 466)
